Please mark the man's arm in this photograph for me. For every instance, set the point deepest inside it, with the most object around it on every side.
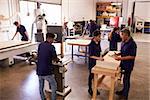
(97, 58)
(26, 34)
(117, 54)
(14, 35)
(125, 58)
(110, 36)
(54, 55)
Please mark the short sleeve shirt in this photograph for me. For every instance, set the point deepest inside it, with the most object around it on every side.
(94, 50)
(46, 53)
(128, 49)
(21, 29)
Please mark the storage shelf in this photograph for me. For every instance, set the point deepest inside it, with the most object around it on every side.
(111, 11)
(104, 16)
(105, 11)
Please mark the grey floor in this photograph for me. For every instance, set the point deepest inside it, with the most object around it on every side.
(21, 83)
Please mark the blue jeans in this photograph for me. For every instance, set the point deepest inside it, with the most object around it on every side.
(52, 84)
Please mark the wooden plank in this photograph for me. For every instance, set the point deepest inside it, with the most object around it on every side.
(111, 92)
(12, 43)
(109, 62)
(80, 42)
(108, 67)
(95, 86)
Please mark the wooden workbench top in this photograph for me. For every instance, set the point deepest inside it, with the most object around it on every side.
(81, 42)
(12, 43)
(107, 67)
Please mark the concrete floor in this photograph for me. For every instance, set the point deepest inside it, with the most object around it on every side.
(20, 82)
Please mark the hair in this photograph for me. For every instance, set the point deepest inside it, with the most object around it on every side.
(50, 35)
(116, 28)
(16, 23)
(126, 31)
(96, 33)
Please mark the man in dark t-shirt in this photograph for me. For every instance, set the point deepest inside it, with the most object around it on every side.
(22, 30)
(93, 26)
(94, 54)
(45, 68)
(127, 58)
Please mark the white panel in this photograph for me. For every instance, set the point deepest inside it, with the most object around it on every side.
(109, 0)
(142, 10)
(47, 1)
(130, 6)
(75, 10)
(4, 10)
(8, 8)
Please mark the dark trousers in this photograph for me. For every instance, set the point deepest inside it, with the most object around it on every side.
(91, 76)
(113, 46)
(126, 83)
(39, 37)
(24, 38)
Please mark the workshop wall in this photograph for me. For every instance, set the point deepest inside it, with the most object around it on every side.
(8, 12)
(75, 10)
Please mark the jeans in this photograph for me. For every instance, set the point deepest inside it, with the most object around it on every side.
(52, 84)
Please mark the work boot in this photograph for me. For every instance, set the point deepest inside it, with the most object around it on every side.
(90, 91)
(119, 93)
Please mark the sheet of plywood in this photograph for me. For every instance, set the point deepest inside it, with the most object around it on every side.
(12, 43)
(80, 42)
(109, 62)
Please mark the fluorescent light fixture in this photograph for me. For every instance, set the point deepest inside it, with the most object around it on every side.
(119, 4)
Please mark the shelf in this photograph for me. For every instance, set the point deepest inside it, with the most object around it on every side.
(100, 9)
(111, 11)
(105, 11)
(104, 16)
(103, 3)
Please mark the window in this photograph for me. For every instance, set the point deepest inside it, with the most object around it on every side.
(27, 14)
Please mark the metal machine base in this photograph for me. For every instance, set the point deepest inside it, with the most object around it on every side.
(59, 71)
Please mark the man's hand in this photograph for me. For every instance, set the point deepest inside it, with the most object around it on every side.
(14, 35)
(101, 59)
(117, 54)
(117, 58)
(56, 60)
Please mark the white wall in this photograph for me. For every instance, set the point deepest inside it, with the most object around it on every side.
(4, 8)
(75, 10)
(47, 1)
(142, 10)
(8, 8)
(109, 0)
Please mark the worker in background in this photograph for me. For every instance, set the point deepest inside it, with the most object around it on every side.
(114, 38)
(83, 25)
(92, 27)
(127, 58)
(86, 28)
(22, 30)
(45, 69)
(41, 24)
(94, 54)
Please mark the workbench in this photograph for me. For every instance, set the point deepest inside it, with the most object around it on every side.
(107, 68)
(79, 42)
(9, 49)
